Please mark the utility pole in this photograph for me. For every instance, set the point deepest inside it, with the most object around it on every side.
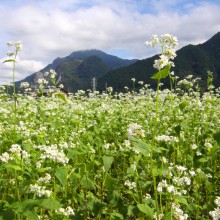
(94, 84)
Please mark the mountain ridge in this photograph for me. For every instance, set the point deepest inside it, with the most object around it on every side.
(78, 68)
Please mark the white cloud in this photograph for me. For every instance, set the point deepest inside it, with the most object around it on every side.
(56, 28)
(23, 68)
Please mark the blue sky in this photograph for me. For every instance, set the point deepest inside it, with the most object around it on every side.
(50, 29)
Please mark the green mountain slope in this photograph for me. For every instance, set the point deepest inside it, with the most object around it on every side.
(77, 70)
(191, 60)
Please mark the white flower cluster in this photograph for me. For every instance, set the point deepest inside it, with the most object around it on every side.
(15, 153)
(135, 130)
(131, 185)
(24, 85)
(216, 213)
(166, 138)
(42, 81)
(18, 45)
(66, 212)
(178, 212)
(40, 190)
(180, 181)
(168, 44)
(45, 179)
(53, 153)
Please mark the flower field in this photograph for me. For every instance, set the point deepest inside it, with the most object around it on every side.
(136, 155)
(110, 156)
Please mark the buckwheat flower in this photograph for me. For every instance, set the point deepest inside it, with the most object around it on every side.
(153, 41)
(161, 63)
(52, 72)
(133, 79)
(5, 157)
(194, 146)
(45, 179)
(61, 86)
(10, 53)
(170, 188)
(18, 45)
(15, 148)
(131, 185)
(12, 181)
(141, 82)
(159, 217)
(192, 172)
(161, 185)
(215, 214)
(208, 175)
(51, 152)
(208, 145)
(66, 212)
(106, 146)
(217, 201)
(164, 160)
(127, 143)
(133, 166)
(198, 153)
(110, 89)
(24, 85)
(181, 168)
(135, 130)
(40, 190)
(39, 164)
(147, 196)
(170, 53)
(10, 43)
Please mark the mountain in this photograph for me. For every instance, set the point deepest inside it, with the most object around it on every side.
(193, 60)
(77, 70)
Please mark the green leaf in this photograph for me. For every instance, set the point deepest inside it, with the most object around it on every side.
(116, 216)
(60, 96)
(181, 199)
(61, 175)
(53, 80)
(110, 183)
(141, 146)
(31, 214)
(183, 104)
(107, 161)
(87, 183)
(163, 73)
(50, 204)
(12, 166)
(202, 160)
(146, 209)
(10, 60)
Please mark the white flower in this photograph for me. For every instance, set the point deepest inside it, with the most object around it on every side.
(66, 212)
(40, 190)
(162, 62)
(194, 146)
(5, 157)
(45, 179)
(147, 196)
(217, 201)
(135, 130)
(215, 214)
(24, 85)
(131, 185)
(170, 188)
(208, 145)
